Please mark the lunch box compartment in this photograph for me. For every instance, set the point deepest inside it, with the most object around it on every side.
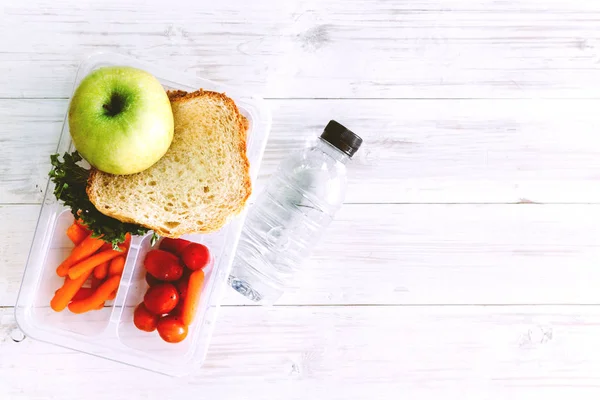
(151, 342)
(88, 324)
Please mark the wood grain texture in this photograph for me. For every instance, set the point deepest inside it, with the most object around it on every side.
(29, 133)
(416, 254)
(415, 151)
(341, 353)
(17, 225)
(369, 316)
(311, 48)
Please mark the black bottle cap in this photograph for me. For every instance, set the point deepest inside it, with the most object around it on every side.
(342, 138)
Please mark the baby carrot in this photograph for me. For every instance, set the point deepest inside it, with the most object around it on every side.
(90, 263)
(83, 293)
(106, 246)
(192, 298)
(127, 241)
(68, 290)
(117, 265)
(83, 226)
(76, 234)
(101, 271)
(124, 244)
(95, 283)
(86, 248)
(98, 297)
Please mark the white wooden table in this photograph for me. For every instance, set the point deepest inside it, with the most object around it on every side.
(466, 262)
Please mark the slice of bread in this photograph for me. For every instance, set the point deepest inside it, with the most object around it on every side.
(200, 182)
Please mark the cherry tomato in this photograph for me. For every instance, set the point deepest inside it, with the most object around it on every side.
(174, 246)
(195, 256)
(171, 329)
(176, 312)
(143, 319)
(182, 287)
(161, 299)
(163, 265)
(186, 273)
(151, 281)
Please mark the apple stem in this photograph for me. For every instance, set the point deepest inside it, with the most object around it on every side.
(115, 105)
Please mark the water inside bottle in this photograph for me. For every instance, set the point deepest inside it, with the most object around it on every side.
(290, 215)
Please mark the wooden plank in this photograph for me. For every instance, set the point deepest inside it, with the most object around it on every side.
(456, 254)
(342, 353)
(29, 133)
(416, 254)
(474, 151)
(339, 48)
(426, 151)
(16, 227)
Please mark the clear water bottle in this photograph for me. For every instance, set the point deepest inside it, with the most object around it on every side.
(289, 216)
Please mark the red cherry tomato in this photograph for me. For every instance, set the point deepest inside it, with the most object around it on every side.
(195, 256)
(186, 273)
(182, 287)
(171, 329)
(151, 281)
(176, 312)
(174, 246)
(161, 299)
(163, 265)
(143, 319)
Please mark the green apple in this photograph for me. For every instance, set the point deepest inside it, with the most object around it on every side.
(121, 120)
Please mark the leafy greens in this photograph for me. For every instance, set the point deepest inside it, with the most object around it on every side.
(70, 180)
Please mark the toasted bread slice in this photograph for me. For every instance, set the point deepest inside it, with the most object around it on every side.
(200, 182)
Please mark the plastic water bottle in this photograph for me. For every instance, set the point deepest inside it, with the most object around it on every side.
(289, 216)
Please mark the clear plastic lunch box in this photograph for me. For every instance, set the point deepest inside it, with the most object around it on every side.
(110, 332)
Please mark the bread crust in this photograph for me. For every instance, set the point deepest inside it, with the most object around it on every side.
(243, 125)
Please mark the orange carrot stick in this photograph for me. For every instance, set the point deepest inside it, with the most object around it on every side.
(192, 299)
(127, 241)
(83, 226)
(90, 263)
(117, 265)
(83, 293)
(83, 250)
(68, 290)
(95, 283)
(125, 244)
(106, 246)
(98, 297)
(100, 307)
(76, 234)
(112, 296)
(101, 271)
